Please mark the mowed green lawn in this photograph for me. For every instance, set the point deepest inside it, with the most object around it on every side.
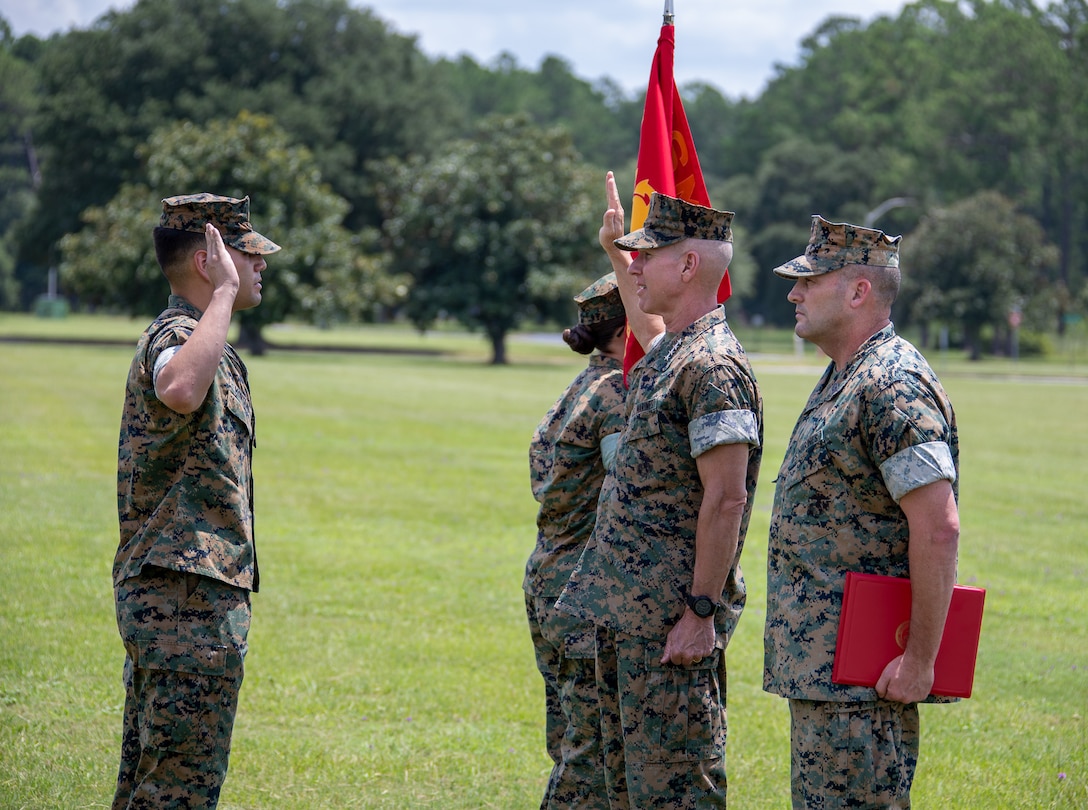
(390, 665)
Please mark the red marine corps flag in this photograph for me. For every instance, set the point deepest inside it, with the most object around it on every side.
(666, 154)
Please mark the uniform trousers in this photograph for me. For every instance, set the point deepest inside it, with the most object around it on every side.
(852, 755)
(565, 649)
(663, 726)
(185, 643)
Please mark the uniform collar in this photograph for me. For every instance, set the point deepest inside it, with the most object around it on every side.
(177, 302)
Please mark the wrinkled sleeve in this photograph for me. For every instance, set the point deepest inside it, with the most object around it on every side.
(609, 446)
(916, 466)
(723, 411)
(909, 437)
(722, 427)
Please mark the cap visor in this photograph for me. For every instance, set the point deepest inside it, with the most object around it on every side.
(254, 243)
(645, 240)
(795, 268)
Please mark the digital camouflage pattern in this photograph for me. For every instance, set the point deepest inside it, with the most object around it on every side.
(691, 392)
(184, 481)
(565, 648)
(600, 301)
(190, 212)
(670, 220)
(883, 424)
(834, 245)
(184, 567)
(664, 726)
(852, 755)
(566, 471)
(185, 645)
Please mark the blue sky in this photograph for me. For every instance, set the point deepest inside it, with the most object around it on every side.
(733, 46)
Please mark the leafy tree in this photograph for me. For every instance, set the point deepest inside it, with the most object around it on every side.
(110, 264)
(973, 263)
(944, 101)
(1064, 199)
(322, 273)
(495, 228)
(712, 119)
(336, 78)
(18, 175)
(796, 179)
(602, 122)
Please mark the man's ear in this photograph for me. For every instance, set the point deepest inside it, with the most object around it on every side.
(199, 260)
(860, 291)
(691, 265)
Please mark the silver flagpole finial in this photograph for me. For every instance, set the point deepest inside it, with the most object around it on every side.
(668, 12)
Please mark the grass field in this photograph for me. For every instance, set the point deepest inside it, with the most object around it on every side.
(390, 666)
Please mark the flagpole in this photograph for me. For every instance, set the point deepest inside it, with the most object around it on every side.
(668, 13)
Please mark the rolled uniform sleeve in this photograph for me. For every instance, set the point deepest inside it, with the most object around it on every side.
(722, 427)
(916, 467)
(909, 434)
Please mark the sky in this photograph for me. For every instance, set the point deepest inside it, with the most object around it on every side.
(732, 46)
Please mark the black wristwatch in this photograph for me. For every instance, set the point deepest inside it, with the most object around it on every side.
(702, 606)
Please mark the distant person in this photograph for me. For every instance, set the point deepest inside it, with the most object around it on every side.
(868, 484)
(186, 561)
(571, 448)
(660, 574)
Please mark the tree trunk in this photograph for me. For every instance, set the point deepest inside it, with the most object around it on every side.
(973, 339)
(251, 338)
(498, 347)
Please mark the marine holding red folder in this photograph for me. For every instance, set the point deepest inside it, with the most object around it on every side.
(868, 485)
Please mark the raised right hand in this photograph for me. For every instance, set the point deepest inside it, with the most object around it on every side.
(612, 223)
(220, 266)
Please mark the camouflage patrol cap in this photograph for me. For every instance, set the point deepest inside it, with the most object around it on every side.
(600, 301)
(670, 220)
(189, 212)
(834, 245)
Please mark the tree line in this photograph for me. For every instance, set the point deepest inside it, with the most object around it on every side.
(446, 188)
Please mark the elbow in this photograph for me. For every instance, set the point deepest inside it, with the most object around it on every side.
(737, 503)
(944, 540)
(947, 531)
(949, 537)
(732, 504)
(180, 399)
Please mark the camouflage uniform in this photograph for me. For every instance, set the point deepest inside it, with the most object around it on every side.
(185, 502)
(186, 562)
(665, 725)
(566, 470)
(869, 434)
(185, 642)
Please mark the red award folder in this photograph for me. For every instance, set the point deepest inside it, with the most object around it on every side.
(873, 630)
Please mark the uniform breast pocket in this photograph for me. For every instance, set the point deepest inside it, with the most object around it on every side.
(645, 424)
(810, 494)
(643, 447)
(805, 465)
(238, 408)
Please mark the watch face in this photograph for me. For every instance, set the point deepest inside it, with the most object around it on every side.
(702, 606)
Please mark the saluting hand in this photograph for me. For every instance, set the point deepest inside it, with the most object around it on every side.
(220, 266)
(612, 224)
